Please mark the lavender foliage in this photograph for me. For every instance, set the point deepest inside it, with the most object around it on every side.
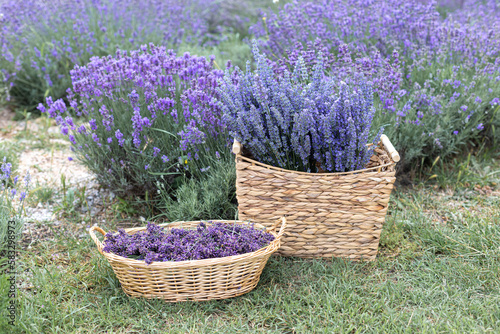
(300, 120)
(150, 113)
(209, 240)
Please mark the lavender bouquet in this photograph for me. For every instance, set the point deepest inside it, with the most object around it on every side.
(206, 242)
(301, 119)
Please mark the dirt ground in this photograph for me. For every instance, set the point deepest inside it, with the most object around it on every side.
(46, 165)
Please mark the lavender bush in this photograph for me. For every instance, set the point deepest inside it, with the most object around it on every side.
(300, 120)
(206, 242)
(436, 79)
(150, 114)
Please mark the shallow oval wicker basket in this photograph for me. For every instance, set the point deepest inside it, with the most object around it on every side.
(197, 280)
(328, 214)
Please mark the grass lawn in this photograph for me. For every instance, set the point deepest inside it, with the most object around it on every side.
(437, 271)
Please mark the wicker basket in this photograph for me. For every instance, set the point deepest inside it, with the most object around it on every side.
(197, 280)
(328, 214)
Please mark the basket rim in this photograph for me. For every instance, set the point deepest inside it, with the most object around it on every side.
(279, 169)
(133, 263)
(384, 140)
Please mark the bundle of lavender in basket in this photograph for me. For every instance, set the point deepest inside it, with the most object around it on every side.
(207, 241)
(301, 120)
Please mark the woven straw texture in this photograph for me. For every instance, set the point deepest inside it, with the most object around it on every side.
(328, 214)
(196, 280)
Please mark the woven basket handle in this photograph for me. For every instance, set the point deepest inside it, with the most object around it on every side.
(282, 220)
(94, 237)
(236, 147)
(390, 148)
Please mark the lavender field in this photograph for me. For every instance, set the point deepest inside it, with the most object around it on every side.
(117, 113)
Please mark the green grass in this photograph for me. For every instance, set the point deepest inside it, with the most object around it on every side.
(43, 194)
(438, 271)
(233, 49)
(213, 197)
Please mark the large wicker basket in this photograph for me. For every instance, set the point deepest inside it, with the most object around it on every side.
(197, 280)
(328, 214)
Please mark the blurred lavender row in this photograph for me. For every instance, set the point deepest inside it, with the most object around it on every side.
(41, 41)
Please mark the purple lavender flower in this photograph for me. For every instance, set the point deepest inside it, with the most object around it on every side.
(119, 136)
(41, 107)
(134, 97)
(93, 124)
(82, 129)
(27, 180)
(6, 169)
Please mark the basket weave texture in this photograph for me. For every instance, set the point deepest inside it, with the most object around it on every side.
(328, 214)
(197, 280)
